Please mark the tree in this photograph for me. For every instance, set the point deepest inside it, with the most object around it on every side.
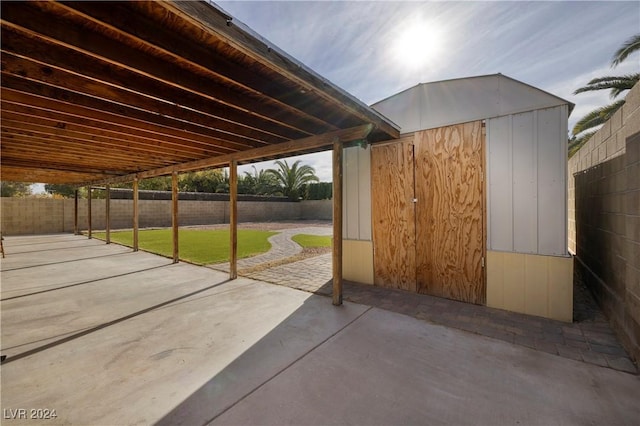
(161, 183)
(630, 46)
(202, 181)
(259, 183)
(292, 178)
(14, 189)
(66, 191)
(617, 85)
(318, 191)
(584, 128)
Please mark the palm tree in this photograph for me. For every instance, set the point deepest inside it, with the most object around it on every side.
(292, 178)
(584, 128)
(627, 49)
(260, 182)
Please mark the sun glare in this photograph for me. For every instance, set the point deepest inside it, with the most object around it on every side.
(418, 43)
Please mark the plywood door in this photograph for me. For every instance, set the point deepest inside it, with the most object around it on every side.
(393, 215)
(450, 212)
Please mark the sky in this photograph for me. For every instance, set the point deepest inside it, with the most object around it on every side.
(363, 46)
(358, 45)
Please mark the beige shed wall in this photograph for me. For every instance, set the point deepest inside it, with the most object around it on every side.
(531, 284)
(357, 261)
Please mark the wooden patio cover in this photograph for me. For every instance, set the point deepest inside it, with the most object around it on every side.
(97, 90)
(102, 92)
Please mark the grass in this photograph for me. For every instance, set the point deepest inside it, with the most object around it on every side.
(196, 246)
(312, 241)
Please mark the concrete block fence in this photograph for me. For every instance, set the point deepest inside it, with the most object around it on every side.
(604, 219)
(20, 216)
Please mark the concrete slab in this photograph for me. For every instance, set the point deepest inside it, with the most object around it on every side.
(128, 349)
(387, 368)
(128, 338)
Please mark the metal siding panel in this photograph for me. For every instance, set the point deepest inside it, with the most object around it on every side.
(551, 182)
(443, 103)
(516, 97)
(364, 194)
(499, 175)
(564, 131)
(525, 220)
(403, 109)
(350, 198)
(458, 101)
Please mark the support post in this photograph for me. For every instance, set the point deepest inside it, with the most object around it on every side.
(233, 219)
(89, 211)
(107, 211)
(75, 212)
(135, 214)
(174, 215)
(337, 223)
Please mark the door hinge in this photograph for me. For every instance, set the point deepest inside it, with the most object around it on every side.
(483, 262)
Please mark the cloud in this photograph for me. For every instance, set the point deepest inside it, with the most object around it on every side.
(351, 43)
(556, 46)
(320, 161)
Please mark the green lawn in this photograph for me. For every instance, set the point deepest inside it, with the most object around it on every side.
(197, 246)
(309, 241)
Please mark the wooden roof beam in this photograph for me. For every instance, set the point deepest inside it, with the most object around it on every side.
(204, 13)
(46, 52)
(129, 50)
(10, 173)
(32, 148)
(40, 105)
(163, 25)
(29, 69)
(288, 148)
(29, 87)
(95, 135)
(47, 165)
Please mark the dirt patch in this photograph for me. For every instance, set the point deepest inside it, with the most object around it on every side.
(304, 254)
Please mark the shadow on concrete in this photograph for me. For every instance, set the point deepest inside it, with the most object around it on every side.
(71, 237)
(85, 282)
(107, 324)
(302, 332)
(355, 364)
(65, 261)
(61, 248)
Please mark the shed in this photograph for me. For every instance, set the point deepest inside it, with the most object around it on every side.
(471, 202)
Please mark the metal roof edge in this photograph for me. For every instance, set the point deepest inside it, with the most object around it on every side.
(499, 75)
(570, 104)
(251, 34)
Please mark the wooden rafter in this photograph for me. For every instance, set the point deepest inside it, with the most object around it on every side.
(97, 90)
(310, 144)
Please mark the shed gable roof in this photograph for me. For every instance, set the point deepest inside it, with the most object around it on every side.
(443, 103)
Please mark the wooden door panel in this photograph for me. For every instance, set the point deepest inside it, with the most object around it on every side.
(450, 212)
(393, 215)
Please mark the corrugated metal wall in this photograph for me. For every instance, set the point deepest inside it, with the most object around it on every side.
(526, 188)
(356, 209)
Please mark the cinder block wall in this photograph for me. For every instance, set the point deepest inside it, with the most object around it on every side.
(316, 210)
(45, 216)
(604, 218)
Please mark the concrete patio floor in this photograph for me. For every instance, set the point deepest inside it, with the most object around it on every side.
(106, 336)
